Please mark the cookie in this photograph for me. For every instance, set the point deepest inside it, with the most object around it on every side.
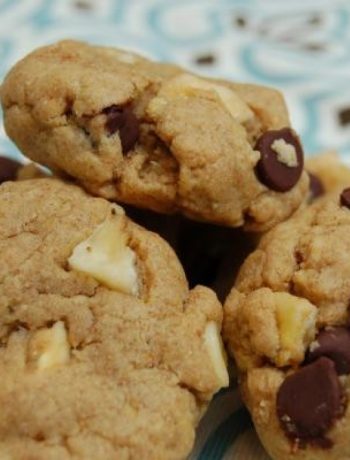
(155, 136)
(287, 324)
(11, 170)
(105, 353)
(327, 173)
(30, 171)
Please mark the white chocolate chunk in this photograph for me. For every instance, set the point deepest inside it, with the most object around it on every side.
(49, 347)
(286, 153)
(217, 355)
(187, 85)
(296, 322)
(106, 256)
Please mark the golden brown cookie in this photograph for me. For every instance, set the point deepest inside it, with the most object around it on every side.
(30, 171)
(105, 353)
(11, 169)
(327, 173)
(155, 136)
(287, 324)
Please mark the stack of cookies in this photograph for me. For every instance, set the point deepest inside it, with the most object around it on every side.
(161, 182)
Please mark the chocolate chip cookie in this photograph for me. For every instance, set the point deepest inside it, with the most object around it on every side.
(11, 170)
(105, 353)
(287, 324)
(327, 172)
(155, 136)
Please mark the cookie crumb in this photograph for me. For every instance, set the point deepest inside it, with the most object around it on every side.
(314, 345)
(286, 153)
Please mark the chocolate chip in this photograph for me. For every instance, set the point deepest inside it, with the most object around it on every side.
(122, 119)
(240, 22)
(273, 172)
(83, 5)
(345, 197)
(310, 400)
(316, 186)
(314, 46)
(8, 169)
(315, 20)
(205, 59)
(334, 343)
(344, 116)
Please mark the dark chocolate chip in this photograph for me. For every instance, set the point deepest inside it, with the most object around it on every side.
(8, 169)
(314, 47)
(240, 22)
(344, 116)
(345, 197)
(334, 343)
(310, 400)
(83, 5)
(270, 170)
(205, 59)
(316, 186)
(122, 119)
(315, 20)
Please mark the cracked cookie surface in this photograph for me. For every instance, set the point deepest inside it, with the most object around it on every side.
(97, 363)
(286, 322)
(154, 136)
